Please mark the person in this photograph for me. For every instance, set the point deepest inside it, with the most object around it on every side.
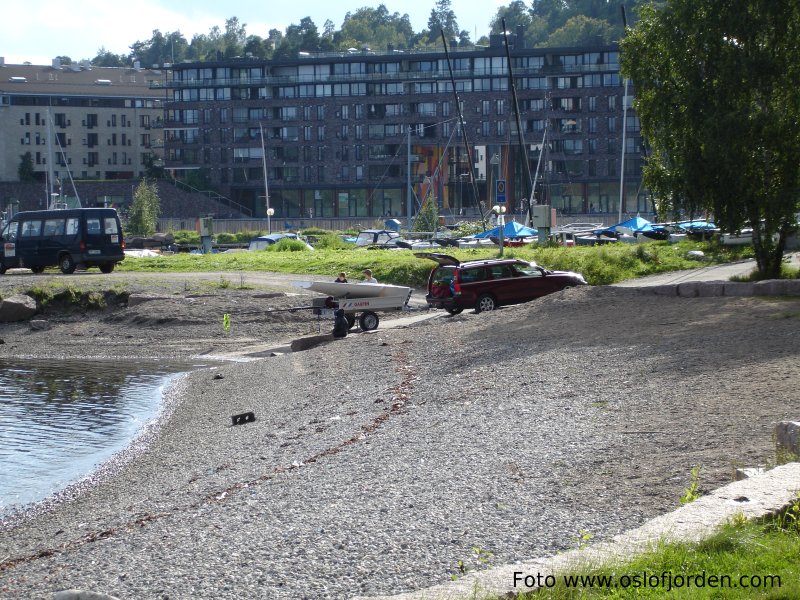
(340, 324)
(368, 278)
(342, 278)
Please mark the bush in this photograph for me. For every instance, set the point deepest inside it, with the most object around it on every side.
(287, 245)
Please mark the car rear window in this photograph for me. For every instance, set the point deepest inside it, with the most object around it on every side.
(443, 275)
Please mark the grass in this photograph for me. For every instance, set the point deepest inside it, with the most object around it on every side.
(599, 264)
(762, 555)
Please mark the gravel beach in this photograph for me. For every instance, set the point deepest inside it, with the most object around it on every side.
(392, 460)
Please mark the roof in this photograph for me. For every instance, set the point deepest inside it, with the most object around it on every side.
(83, 80)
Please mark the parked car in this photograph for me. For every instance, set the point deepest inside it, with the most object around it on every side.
(380, 238)
(264, 241)
(36, 239)
(486, 284)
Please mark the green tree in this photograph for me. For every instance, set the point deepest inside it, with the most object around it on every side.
(25, 171)
(581, 31)
(719, 104)
(145, 209)
(104, 58)
(443, 18)
(428, 215)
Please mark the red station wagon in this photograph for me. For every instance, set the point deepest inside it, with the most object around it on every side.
(486, 284)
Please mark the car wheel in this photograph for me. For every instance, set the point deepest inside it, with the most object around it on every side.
(37, 270)
(454, 311)
(485, 303)
(67, 264)
(2, 268)
(368, 321)
(106, 267)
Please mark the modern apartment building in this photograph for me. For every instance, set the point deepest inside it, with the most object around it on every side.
(79, 121)
(344, 134)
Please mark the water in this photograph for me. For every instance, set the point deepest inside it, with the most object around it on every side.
(59, 420)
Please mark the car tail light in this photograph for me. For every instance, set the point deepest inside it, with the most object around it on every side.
(122, 244)
(82, 246)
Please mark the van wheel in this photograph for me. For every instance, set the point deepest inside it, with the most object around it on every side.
(454, 311)
(368, 321)
(67, 264)
(37, 270)
(107, 268)
(485, 303)
(2, 268)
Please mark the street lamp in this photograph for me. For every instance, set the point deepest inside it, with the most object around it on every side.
(500, 211)
(270, 212)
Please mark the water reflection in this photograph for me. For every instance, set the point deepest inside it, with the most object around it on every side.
(61, 419)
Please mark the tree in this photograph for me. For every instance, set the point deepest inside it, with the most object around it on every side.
(428, 215)
(443, 19)
(581, 31)
(719, 104)
(145, 209)
(25, 171)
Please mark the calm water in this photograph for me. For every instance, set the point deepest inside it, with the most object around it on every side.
(59, 420)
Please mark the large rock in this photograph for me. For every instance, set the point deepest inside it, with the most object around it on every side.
(17, 308)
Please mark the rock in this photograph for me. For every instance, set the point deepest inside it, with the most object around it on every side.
(17, 308)
(40, 324)
(82, 595)
(787, 439)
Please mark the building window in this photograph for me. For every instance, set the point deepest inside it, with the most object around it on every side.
(612, 124)
(612, 103)
(499, 106)
(486, 106)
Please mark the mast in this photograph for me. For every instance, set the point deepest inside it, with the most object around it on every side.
(624, 129)
(463, 128)
(266, 184)
(520, 136)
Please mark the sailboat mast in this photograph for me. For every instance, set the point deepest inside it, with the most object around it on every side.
(624, 129)
(520, 136)
(49, 161)
(463, 127)
(266, 184)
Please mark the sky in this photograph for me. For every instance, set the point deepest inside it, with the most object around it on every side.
(39, 30)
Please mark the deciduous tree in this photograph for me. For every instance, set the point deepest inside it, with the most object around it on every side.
(145, 209)
(719, 102)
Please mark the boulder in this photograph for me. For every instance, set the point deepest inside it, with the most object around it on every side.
(17, 308)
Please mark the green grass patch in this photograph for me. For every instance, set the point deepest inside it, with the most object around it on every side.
(600, 265)
(742, 560)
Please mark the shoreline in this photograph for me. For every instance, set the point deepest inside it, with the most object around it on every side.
(378, 462)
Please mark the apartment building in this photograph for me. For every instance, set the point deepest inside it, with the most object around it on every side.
(79, 121)
(368, 133)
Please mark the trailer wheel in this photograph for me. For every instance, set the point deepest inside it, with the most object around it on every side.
(368, 321)
(351, 320)
(67, 264)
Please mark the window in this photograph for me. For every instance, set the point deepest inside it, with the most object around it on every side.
(54, 227)
(110, 226)
(31, 229)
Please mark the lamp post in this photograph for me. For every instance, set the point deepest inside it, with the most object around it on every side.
(270, 212)
(500, 211)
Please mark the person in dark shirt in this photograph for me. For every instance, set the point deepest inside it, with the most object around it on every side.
(342, 278)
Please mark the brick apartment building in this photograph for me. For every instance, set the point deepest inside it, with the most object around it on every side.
(345, 133)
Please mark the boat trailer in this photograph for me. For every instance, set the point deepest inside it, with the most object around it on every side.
(360, 301)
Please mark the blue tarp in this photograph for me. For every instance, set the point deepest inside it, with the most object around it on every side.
(697, 225)
(635, 224)
(512, 229)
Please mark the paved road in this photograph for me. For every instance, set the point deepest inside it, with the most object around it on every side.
(710, 273)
